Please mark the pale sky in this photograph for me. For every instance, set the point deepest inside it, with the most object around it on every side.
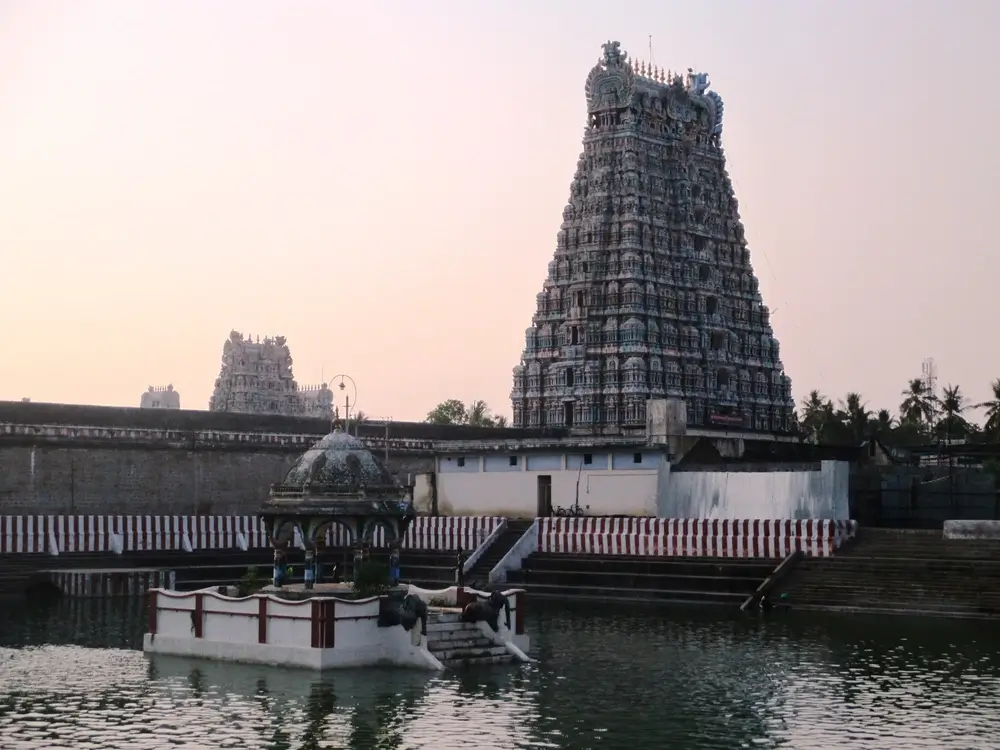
(382, 183)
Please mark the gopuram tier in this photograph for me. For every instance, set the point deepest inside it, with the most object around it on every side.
(650, 293)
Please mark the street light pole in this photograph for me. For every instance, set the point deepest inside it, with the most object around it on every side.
(347, 398)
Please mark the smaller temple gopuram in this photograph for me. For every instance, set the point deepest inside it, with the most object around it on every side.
(160, 397)
(256, 378)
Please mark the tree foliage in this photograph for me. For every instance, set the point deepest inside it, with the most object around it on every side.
(476, 414)
(923, 417)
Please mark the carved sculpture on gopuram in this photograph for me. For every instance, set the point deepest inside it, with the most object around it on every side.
(650, 294)
(256, 378)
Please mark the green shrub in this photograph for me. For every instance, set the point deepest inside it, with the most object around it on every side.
(250, 583)
(372, 579)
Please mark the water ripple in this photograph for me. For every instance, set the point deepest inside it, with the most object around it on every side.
(692, 680)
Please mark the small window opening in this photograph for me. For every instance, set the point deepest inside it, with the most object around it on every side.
(461, 461)
(637, 458)
(574, 335)
(569, 374)
(513, 460)
(579, 295)
(588, 458)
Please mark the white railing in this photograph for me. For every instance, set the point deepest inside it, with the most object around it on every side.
(523, 547)
(484, 545)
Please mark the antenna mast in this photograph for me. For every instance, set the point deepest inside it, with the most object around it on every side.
(929, 371)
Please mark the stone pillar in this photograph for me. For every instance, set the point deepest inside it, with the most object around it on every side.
(279, 567)
(359, 558)
(318, 546)
(310, 569)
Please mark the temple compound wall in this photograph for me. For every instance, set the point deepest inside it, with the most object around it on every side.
(70, 459)
(82, 460)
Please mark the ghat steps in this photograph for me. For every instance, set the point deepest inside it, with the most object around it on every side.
(456, 643)
(646, 579)
(514, 530)
(889, 571)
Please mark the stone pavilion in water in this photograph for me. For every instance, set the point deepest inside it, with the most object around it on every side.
(650, 294)
(338, 482)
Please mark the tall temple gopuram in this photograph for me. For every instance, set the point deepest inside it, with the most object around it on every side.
(650, 293)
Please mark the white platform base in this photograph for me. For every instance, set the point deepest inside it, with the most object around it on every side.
(396, 651)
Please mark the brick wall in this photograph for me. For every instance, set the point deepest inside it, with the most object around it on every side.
(46, 479)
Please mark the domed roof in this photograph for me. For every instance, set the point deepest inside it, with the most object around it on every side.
(339, 460)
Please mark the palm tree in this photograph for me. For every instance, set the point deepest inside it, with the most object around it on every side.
(920, 405)
(855, 416)
(500, 421)
(882, 424)
(478, 414)
(992, 425)
(815, 411)
(953, 425)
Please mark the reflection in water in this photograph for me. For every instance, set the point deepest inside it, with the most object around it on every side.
(70, 676)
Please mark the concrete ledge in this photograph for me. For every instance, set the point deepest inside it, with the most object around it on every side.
(971, 529)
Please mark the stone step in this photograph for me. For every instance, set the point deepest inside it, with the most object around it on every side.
(451, 623)
(588, 593)
(444, 617)
(451, 636)
(904, 559)
(476, 652)
(465, 644)
(477, 661)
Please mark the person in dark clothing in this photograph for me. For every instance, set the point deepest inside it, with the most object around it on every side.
(394, 565)
(460, 567)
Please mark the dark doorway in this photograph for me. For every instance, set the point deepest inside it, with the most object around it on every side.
(544, 496)
(568, 410)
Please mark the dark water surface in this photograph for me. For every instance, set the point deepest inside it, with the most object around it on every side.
(71, 677)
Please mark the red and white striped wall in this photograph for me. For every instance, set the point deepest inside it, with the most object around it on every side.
(34, 534)
(59, 534)
(692, 537)
(438, 533)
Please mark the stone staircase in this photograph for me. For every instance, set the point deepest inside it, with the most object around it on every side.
(886, 571)
(702, 580)
(458, 644)
(501, 546)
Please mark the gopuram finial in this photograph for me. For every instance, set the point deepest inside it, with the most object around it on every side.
(613, 54)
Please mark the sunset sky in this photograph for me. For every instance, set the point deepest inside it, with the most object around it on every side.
(382, 183)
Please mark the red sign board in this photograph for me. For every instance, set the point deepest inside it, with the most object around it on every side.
(727, 419)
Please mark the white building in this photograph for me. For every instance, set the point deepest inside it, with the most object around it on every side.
(530, 478)
(162, 397)
(632, 476)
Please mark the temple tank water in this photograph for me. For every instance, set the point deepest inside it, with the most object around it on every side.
(71, 675)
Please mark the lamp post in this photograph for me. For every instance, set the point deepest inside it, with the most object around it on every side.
(347, 397)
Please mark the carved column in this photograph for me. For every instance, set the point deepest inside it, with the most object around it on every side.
(280, 565)
(310, 567)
